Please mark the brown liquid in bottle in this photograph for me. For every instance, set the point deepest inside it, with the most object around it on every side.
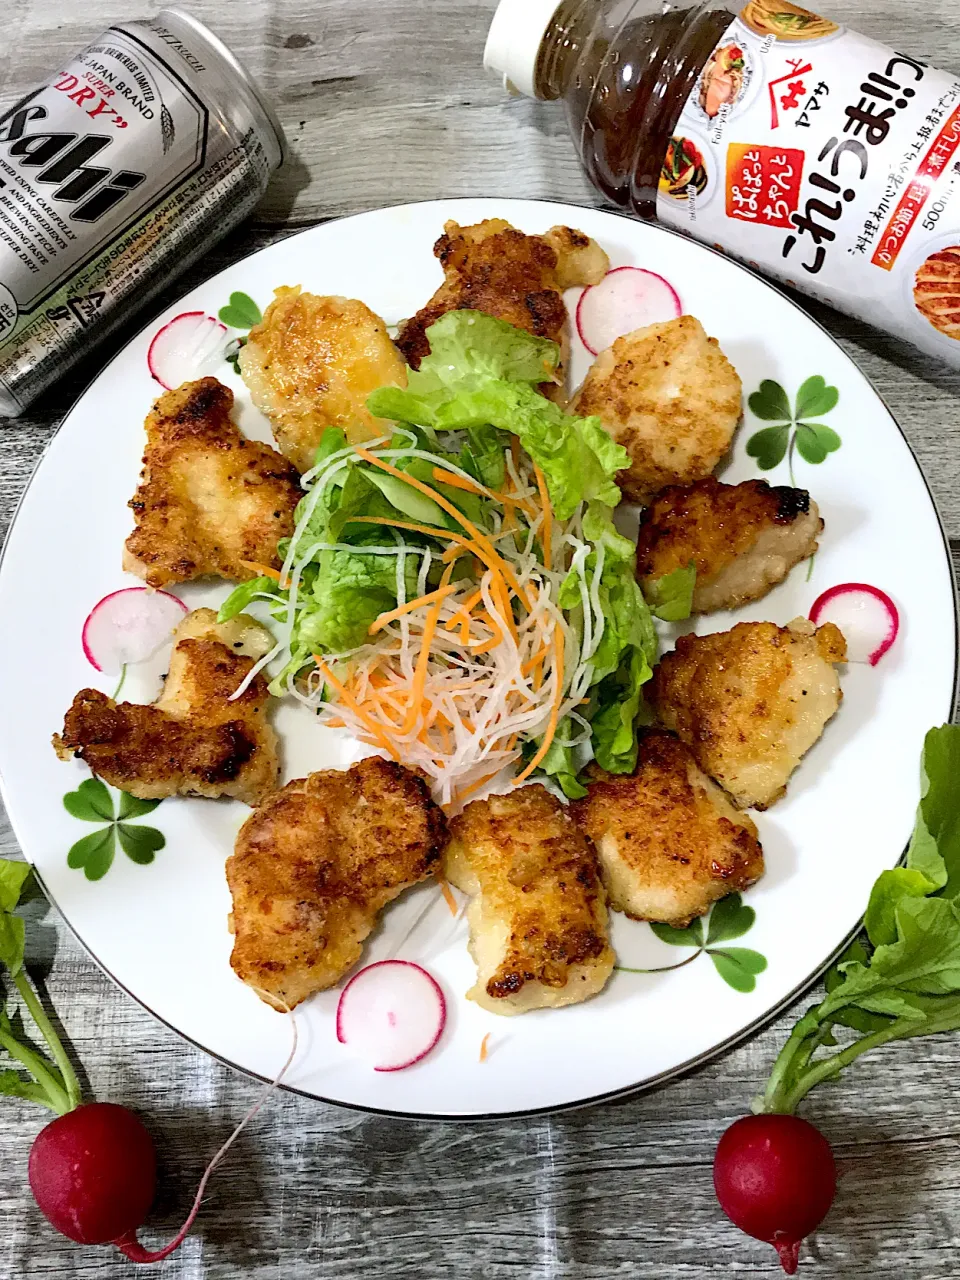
(624, 72)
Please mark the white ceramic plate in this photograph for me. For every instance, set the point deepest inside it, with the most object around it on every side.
(160, 930)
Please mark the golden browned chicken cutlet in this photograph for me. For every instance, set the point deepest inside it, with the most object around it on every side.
(669, 840)
(494, 268)
(670, 396)
(538, 914)
(742, 538)
(210, 502)
(193, 741)
(316, 864)
(750, 702)
(311, 363)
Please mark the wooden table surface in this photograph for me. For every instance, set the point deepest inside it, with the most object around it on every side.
(385, 101)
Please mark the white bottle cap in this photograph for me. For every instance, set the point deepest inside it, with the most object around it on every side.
(516, 32)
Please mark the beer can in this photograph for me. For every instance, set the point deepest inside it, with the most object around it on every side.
(115, 176)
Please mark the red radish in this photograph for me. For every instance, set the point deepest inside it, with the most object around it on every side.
(627, 298)
(775, 1179)
(866, 615)
(393, 1012)
(184, 347)
(128, 626)
(93, 1172)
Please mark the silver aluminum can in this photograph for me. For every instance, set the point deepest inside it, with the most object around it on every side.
(115, 177)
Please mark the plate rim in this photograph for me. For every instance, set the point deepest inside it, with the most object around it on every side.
(689, 1065)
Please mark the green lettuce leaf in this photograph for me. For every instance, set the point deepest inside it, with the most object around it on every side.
(471, 342)
(671, 597)
(560, 762)
(480, 374)
(241, 596)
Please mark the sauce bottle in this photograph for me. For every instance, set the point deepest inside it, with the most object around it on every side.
(817, 156)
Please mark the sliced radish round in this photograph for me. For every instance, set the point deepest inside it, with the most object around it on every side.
(627, 298)
(393, 1013)
(186, 346)
(866, 615)
(128, 626)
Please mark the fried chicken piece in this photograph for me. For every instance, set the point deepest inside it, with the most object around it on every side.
(742, 538)
(210, 502)
(750, 702)
(495, 268)
(670, 396)
(193, 741)
(538, 915)
(316, 864)
(669, 840)
(311, 363)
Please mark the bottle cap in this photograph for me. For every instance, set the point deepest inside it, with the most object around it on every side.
(517, 29)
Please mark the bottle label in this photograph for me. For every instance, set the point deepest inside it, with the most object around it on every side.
(830, 162)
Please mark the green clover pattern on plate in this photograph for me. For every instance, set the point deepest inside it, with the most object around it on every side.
(241, 312)
(794, 428)
(93, 854)
(729, 919)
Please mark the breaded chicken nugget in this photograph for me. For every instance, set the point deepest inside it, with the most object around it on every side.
(495, 268)
(538, 915)
(669, 840)
(193, 741)
(311, 363)
(316, 864)
(670, 396)
(742, 538)
(750, 702)
(209, 502)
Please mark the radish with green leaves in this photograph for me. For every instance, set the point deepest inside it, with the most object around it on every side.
(92, 1169)
(773, 1172)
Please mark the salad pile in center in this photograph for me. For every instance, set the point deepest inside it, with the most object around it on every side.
(456, 594)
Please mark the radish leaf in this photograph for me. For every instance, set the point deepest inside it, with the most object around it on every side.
(13, 877)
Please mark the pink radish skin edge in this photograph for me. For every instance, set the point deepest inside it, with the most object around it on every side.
(155, 359)
(436, 989)
(854, 588)
(661, 281)
(84, 636)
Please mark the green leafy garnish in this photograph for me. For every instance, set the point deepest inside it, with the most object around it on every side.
(671, 597)
(481, 373)
(50, 1081)
(903, 978)
(795, 430)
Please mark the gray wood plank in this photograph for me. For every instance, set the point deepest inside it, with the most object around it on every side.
(385, 102)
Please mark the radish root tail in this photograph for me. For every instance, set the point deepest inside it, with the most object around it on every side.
(131, 1247)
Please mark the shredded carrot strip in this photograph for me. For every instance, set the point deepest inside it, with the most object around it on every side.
(536, 661)
(423, 658)
(458, 482)
(473, 486)
(554, 713)
(483, 1047)
(355, 707)
(264, 571)
(448, 897)
(480, 539)
(465, 629)
(546, 532)
(391, 615)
